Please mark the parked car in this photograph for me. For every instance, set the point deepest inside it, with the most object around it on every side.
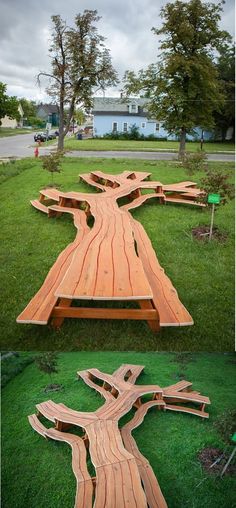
(40, 136)
(44, 136)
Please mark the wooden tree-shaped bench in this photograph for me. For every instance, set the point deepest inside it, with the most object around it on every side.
(112, 260)
(124, 477)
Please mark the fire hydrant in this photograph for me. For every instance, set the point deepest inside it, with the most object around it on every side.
(36, 152)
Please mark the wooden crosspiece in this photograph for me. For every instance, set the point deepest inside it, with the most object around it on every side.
(112, 260)
(124, 477)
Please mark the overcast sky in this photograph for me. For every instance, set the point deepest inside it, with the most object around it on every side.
(25, 34)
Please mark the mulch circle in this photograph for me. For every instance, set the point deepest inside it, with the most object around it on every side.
(202, 233)
(208, 456)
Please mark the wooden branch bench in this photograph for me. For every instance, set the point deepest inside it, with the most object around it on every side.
(111, 261)
(124, 477)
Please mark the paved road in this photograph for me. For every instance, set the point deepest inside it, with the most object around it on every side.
(22, 146)
(162, 156)
(19, 146)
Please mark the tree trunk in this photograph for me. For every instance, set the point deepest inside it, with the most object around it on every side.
(60, 144)
(182, 142)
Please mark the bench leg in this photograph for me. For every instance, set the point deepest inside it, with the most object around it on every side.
(57, 321)
(147, 304)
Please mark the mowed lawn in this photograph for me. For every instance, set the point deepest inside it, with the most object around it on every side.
(6, 132)
(142, 146)
(37, 473)
(202, 273)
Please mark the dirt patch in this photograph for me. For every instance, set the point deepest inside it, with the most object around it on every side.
(202, 233)
(53, 388)
(213, 460)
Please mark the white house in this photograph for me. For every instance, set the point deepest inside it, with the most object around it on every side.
(12, 123)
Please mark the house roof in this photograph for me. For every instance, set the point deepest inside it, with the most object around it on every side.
(48, 108)
(118, 105)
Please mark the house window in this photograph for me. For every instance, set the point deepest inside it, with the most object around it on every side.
(157, 127)
(133, 108)
(125, 127)
(143, 125)
(114, 127)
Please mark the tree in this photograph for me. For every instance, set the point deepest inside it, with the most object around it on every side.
(183, 86)
(79, 116)
(217, 182)
(47, 362)
(30, 113)
(29, 107)
(8, 105)
(80, 63)
(52, 163)
(226, 69)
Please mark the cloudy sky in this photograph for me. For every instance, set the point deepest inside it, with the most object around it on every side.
(25, 35)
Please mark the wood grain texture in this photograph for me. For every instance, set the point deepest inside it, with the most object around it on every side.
(113, 259)
(124, 477)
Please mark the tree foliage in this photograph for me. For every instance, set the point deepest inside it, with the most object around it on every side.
(226, 70)
(8, 105)
(183, 86)
(47, 362)
(217, 182)
(52, 162)
(29, 107)
(80, 64)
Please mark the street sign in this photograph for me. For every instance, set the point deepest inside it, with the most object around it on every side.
(48, 126)
(213, 199)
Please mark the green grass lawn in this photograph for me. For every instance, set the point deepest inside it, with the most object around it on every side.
(201, 273)
(142, 146)
(37, 473)
(5, 132)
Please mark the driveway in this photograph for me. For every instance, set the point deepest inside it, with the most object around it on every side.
(22, 146)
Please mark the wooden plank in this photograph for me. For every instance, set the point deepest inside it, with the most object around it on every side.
(39, 309)
(165, 298)
(155, 498)
(106, 265)
(189, 410)
(154, 325)
(39, 206)
(142, 199)
(184, 202)
(63, 302)
(100, 313)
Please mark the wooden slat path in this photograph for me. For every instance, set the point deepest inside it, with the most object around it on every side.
(124, 477)
(113, 259)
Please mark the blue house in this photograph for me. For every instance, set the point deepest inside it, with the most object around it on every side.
(118, 115)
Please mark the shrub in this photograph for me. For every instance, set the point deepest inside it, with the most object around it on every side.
(216, 182)
(194, 162)
(52, 162)
(13, 365)
(47, 363)
(226, 424)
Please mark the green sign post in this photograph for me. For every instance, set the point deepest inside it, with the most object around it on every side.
(213, 199)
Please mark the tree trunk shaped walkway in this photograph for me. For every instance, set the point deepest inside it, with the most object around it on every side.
(124, 477)
(113, 259)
